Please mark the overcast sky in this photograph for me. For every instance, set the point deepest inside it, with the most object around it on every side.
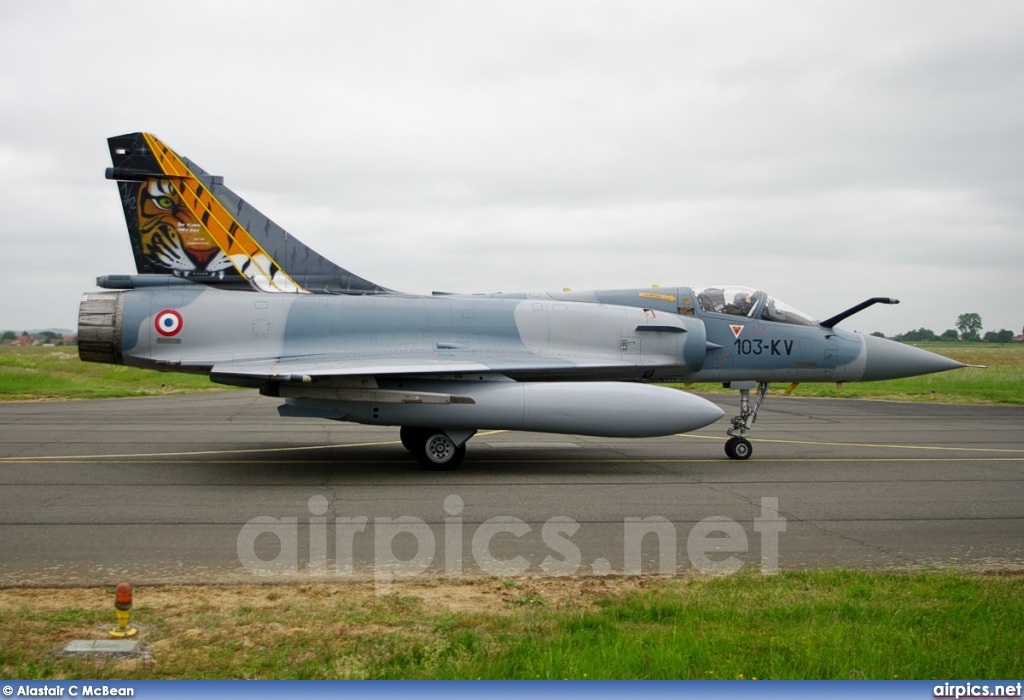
(823, 151)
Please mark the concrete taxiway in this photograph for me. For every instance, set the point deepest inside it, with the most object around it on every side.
(218, 488)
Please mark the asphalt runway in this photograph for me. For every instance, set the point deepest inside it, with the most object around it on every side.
(218, 488)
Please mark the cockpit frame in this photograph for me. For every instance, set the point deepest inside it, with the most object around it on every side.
(731, 300)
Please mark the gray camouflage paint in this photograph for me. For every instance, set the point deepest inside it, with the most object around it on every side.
(524, 337)
(351, 350)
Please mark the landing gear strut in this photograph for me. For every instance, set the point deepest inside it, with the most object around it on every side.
(737, 446)
(435, 449)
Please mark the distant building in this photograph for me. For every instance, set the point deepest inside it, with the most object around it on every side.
(23, 340)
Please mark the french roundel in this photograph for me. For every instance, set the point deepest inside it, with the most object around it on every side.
(168, 322)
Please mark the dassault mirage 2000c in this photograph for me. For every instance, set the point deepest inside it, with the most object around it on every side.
(222, 290)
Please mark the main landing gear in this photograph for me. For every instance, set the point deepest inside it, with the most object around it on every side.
(738, 446)
(436, 449)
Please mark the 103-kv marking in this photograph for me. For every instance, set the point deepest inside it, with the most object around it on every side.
(757, 346)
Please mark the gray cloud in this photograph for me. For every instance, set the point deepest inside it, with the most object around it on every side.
(826, 152)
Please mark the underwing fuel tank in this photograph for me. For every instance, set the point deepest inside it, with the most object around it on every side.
(601, 409)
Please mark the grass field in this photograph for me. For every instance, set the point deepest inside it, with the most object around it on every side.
(57, 373)
(39, 373)
(825, 624)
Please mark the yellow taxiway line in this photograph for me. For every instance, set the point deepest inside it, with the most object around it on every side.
(309, 448)
(199, 453)
(863, 444)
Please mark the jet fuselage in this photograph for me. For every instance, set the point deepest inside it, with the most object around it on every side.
(223, 290)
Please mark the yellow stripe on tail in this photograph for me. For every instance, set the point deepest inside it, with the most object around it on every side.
(248, 256)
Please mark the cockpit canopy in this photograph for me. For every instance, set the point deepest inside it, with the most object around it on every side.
(744, 301)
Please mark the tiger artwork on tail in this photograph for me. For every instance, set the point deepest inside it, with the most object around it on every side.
(171, 237)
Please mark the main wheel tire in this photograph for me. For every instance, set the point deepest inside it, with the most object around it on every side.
(413, 438)
(439, 452)
(738, 448)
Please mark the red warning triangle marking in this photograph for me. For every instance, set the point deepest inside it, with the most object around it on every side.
(736, 330)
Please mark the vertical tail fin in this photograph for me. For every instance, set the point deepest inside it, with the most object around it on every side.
(183, 221)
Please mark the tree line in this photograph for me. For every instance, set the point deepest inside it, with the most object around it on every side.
(968, 328)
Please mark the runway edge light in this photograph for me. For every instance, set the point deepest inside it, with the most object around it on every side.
(123, 605)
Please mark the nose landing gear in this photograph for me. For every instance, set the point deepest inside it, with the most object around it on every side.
(738, 446)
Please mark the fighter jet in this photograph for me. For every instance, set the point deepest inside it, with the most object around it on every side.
(221, 290)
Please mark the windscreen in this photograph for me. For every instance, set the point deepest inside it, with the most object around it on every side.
(751, 303)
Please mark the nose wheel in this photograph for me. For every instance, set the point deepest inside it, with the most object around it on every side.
(738, 446)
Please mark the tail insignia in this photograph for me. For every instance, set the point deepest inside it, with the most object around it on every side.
(216, 223)
(183, 221)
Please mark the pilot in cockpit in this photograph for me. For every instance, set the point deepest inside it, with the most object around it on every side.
(741, 304)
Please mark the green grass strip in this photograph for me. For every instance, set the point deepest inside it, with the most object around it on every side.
(38, 373)
(812, 624)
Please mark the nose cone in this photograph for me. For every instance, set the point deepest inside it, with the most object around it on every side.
(887, 359)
